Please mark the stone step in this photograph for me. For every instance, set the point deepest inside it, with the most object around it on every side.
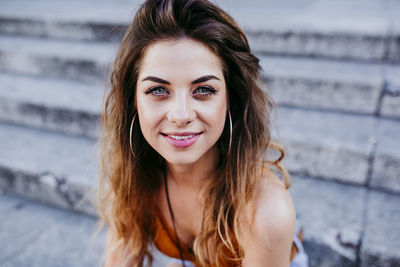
(333, 85)
(390, 105)
(339, 234)
(29, 243)
(386, 161)
(351, 30)
(56, 59)
(48, 167)
(305, 28)
(329, 145)
(333, 229)
(294, 82)
(355, 149)
(37, 235)
(380, 244)
(63, 30)
(65, 106)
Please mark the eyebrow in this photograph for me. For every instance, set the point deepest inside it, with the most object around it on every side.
(155, 79)
(204, 79)
(162, 81)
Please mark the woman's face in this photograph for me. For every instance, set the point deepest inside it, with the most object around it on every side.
(181, 100)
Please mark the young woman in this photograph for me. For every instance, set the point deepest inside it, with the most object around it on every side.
(185, 129)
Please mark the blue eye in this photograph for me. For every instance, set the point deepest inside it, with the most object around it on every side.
(157, 91)
(204, 91)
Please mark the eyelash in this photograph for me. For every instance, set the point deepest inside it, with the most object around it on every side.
(210, 91)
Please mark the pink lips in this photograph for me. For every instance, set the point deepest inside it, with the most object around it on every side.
(182, 143)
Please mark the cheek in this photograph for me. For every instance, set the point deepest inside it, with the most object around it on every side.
(218, 126)
(215, 115)
(149, 116)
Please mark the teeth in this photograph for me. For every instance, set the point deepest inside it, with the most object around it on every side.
(180, 137)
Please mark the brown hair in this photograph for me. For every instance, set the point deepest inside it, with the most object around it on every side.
(128, 185)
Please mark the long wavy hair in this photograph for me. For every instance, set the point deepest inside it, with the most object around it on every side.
(128, 184)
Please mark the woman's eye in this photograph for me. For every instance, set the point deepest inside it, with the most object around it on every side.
(204, 91)
(157, 91)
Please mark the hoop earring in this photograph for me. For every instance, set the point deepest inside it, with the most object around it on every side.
(230, 132)
(130, 136)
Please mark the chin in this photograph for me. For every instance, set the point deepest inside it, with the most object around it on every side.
(181, 158)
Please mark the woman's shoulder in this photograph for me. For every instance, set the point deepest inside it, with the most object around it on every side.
(273, 201)
(272, 228)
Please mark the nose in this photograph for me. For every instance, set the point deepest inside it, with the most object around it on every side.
(181, 112)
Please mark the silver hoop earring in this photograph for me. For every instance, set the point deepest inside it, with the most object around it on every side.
(130, 136)
(230, 132)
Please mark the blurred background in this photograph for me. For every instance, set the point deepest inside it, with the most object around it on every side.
(333, 67)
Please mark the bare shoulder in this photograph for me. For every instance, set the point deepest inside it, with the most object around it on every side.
(272, 228)
(273, 200)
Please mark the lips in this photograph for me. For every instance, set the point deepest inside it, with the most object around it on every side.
(181, 140)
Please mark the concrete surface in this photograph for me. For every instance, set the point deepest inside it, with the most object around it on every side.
(386, 168)
(48, 167)
(59, 105)
(324, 84)
(332, 227)
(36, 235)
(325, 144)
(391, 99)
(381, 246)
(54, 58)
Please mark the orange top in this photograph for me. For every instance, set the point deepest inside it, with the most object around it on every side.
(164, 239)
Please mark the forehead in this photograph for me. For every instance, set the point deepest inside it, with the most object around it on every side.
(183, 56)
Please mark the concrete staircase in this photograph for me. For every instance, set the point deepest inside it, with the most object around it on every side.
(333, 68)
